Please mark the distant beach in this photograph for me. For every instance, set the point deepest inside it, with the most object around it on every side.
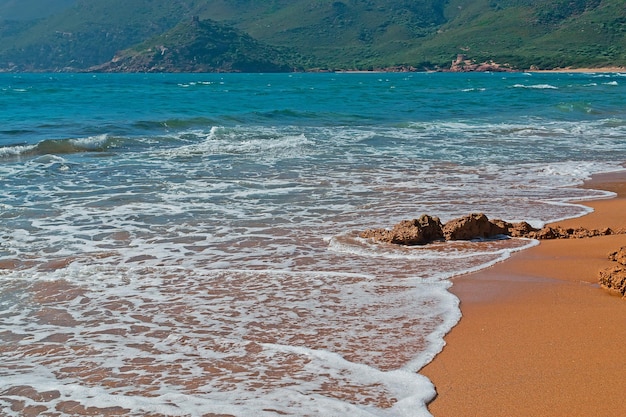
(584, 70)
(538, 336)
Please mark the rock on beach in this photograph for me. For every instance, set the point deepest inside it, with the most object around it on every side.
(427, 229)
(613, 279)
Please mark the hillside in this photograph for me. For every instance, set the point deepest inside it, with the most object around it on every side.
(86, 34)
(76, 35)
(526, 33)
(200, 46)
(336, 34)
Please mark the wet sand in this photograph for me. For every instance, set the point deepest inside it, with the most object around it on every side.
(538, 336)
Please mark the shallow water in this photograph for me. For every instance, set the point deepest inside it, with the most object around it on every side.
(188, 244)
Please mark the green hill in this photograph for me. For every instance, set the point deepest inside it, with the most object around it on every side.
(336, 34)
(87, 34)
(201, 46)
(524, 33)
(325, 34)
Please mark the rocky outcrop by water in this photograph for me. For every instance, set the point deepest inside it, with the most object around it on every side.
(428, 229)
(420, 231)
(613, 279)
(473, 226)
(464, 64)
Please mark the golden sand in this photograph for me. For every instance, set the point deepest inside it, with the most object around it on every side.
(538, 336)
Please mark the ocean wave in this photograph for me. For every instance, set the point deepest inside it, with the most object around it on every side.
(199, 83)
(577, 107)
(16, 90)
(174, 124)
(537, 86)
(16, 150)
(99, 143)
(258, 142)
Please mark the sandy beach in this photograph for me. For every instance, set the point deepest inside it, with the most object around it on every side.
(538, 336)
(590, 70)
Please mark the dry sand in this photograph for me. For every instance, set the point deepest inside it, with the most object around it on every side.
(538, 337)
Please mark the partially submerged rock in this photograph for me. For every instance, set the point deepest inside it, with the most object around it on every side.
(409, 232)
(428, 229)
(613, 279)
(476, 225)
(521, 229)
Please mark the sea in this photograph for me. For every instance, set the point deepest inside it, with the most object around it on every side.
(188, 244)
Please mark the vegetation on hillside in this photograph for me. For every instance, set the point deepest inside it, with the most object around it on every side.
(87, 34)
(525, 33)
(201, 46)
(338, 34)
(326, 34)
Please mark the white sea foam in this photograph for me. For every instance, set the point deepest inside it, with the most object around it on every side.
(145, 330)
(9, 151)
(468, 90)
(536, 86)
(257, 142)
(90, 142)
(474, 249)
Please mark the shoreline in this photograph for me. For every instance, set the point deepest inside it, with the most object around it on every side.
(582, 70)
(612, 70)
(386, 70)
(538, 336)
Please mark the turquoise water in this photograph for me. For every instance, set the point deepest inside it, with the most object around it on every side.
(185, 244)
